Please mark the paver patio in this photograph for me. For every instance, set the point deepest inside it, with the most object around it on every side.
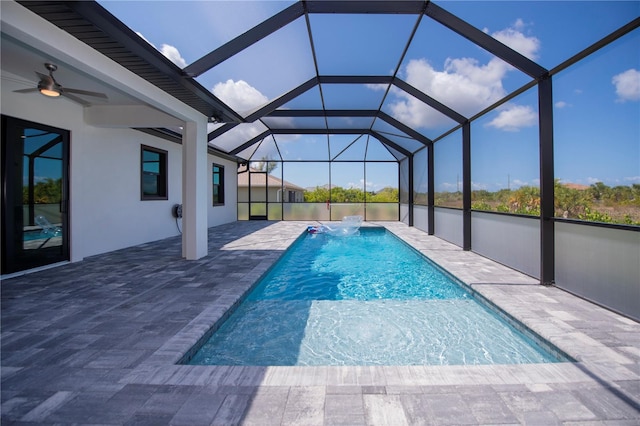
(96, 342)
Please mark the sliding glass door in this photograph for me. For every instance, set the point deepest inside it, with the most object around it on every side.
(34, 195)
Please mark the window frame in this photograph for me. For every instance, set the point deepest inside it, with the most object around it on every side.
(219, 185)
(163, 175)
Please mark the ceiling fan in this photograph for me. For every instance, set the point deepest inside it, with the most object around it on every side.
(48, 86)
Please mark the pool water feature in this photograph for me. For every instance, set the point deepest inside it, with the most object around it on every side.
(366, 299)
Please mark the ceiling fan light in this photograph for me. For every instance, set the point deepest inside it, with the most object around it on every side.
(48, 89)
(49, 92)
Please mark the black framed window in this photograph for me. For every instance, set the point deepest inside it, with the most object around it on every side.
(218, 185)
(153, 179)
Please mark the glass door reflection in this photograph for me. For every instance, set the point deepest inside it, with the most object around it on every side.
(34, 196)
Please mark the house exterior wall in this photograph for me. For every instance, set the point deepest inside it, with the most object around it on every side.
(105, 209)
(257, 195)
(217, 215)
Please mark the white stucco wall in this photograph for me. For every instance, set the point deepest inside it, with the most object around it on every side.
(105, 210)
(218, 215)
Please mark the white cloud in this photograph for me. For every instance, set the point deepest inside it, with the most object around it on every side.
(372, 186)
(515, 39)
(381, 87)
(464, 84)
(514, 117)
(632, 179)
(173, 55)
(517, 183)
(448, 186)
(234, 17)
(627, 85)
(561, 104)
(593, 180)
(239, 95)
(238, 135)
(478, 185)
(144, 38)
(170, 52)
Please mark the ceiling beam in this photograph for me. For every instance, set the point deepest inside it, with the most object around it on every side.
(319, 131)
(250, 142)
(245, 40)
(102, 20)
(404, 128)
(355, 79)
(401, 84)
(344, 113)
(266, 133)
(220, 130)
(337, 113)
(392, 7)
(485, 41)
(323, 113)
(632, 25)
(389, 142)
(278, 102)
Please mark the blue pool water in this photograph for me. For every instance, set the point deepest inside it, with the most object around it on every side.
(33, 235)
(367, 299)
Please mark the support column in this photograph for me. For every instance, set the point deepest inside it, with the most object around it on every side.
(194, 190)
(431, 185)
(547, 196)
(410, 189)
(466, 186)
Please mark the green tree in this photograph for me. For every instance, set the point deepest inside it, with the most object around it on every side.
(620, 194)
(569, 202)
(385, 195)
(266, 164)
(525, 200)
(481, 205)
(319, 195)
(47, 191)
(599, 191)
(594, 216)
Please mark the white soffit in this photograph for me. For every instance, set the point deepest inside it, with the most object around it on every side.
(56, 45)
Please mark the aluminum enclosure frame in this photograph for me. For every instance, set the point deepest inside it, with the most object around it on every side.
(120, 40)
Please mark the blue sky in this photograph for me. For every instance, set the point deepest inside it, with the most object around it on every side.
(596, 103)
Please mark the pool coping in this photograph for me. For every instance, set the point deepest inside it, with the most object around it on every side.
(517, 294)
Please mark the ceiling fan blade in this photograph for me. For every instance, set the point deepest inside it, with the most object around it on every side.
(33, 89)
(45, 77)
(75, 99)
(85, 93)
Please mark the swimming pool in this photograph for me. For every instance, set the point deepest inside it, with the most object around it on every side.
(33, 235)
(367, 299)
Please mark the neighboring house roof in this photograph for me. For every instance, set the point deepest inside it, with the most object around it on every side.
(576, 186)
(257, 179)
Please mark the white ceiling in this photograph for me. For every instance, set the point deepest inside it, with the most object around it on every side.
(22, 62)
